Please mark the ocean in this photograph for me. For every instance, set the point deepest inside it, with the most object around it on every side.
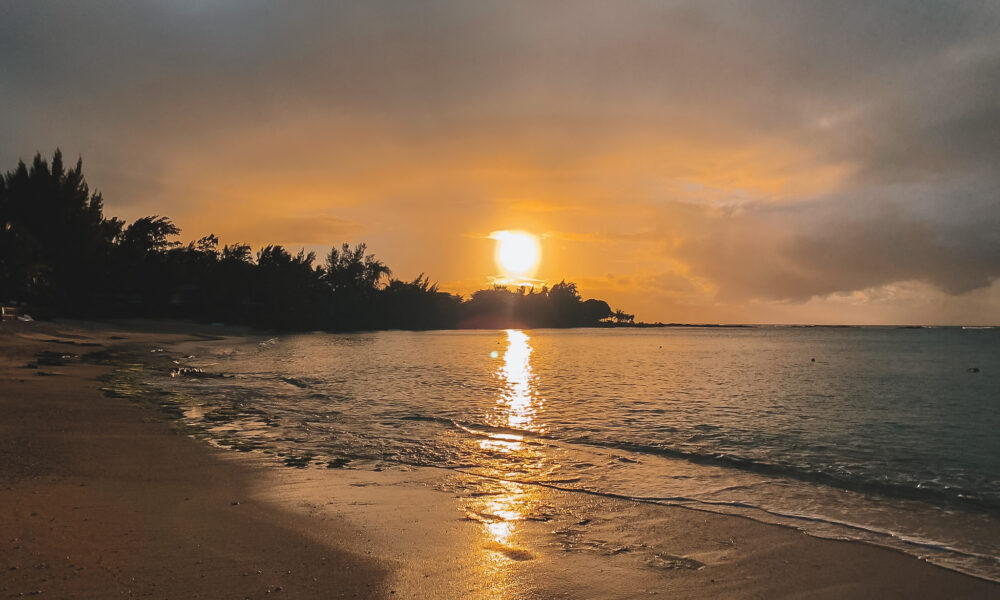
(888, 436)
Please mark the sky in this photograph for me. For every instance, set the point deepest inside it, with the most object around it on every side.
(704, 161)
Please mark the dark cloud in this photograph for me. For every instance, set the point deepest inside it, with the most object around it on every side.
(548, 105)
(944, 235)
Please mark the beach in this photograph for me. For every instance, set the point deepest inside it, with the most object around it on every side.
(108, 496)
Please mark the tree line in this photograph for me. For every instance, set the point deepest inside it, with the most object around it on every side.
(61, 255)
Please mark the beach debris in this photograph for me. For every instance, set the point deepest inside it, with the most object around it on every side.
(623, 459)
(299, 462)
(973, 369)
(234, 503)
(53, 359)
(25, 319)
(193, 372)
(154, 350)
(186, 372)
(296, 382)
(661, 560)
(812, 360)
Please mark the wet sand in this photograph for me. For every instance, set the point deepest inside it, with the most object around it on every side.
(105, 497)
(101, 498)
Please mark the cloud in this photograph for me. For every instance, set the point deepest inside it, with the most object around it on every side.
(763, 155)
(306, 230)
(943, 235)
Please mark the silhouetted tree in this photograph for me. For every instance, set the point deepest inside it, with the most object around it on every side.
(489, 308)
(558, 306)
(354, 278)
(417, 304)
(57, 250)
(148, 235)
(288, 289)
(621, 316)
(594, 311)
(564, 304)
(354, 271)
(54, 237)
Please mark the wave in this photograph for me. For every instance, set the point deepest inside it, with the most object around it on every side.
(415, 452)
(940, 496)
(476, 429)
(950, 496)
(799, 521)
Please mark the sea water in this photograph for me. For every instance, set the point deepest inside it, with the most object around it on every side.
(888, 436)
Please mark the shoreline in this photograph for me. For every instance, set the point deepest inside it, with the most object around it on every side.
(108, 483)
(103, 498)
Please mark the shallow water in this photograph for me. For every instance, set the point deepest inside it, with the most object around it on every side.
(876, 434)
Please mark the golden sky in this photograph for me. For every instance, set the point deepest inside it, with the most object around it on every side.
(686, 161)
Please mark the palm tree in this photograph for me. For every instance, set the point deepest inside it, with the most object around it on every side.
(353, 272)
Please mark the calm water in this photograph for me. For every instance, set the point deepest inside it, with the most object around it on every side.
(885, 437)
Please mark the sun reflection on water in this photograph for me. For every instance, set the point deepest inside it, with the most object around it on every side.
(516, 403)
(502, 503)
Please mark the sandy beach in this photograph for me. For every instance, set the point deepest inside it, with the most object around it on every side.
(104, 496)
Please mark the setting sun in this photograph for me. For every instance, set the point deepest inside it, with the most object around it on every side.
(517, 251)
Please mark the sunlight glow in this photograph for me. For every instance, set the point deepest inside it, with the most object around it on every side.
(517, 253)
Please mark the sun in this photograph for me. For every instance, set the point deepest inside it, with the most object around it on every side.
(517, 252)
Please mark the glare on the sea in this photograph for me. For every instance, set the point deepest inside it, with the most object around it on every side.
(501, 513)
(516, 370)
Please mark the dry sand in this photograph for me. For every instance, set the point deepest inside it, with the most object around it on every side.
(101, 497)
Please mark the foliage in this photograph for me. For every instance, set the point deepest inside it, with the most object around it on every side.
(620, 316)
(54, 238)
(59, 252)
